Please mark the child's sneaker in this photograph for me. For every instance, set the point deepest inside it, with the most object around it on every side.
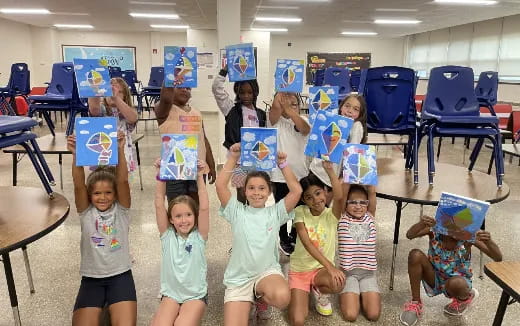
(411, 314)
(263, 311)
(323, 305)
(457, 307)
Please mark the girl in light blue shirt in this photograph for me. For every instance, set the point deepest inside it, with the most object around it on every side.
(184, 231)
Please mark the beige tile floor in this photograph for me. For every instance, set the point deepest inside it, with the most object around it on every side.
(55, 258)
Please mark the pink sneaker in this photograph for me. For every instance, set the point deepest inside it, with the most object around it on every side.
(457, 307)
(412, 312)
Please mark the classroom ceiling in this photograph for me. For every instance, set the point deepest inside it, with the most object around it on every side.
(320, 17)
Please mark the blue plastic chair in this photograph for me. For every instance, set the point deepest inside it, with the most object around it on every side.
(18, 85)
(114, 71)
(355, 79)
(390, 96)
(338, 77)
(152, 92)
(131, 79)
(362, 81)
(17, 131)
(451, 109)
(319, 75)
(487, 88)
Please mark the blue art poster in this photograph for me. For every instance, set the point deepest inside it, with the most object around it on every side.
(328, 136)
(92, 77)
(178, 157)
(241, 62)
(322, 98)
(258, 148)
(96, 141)
(180, 66)
(114, 56)
(459, 217)
(288, 76)
(359, 164)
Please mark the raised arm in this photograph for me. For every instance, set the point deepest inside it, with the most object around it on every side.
(123, 187)
(129, 113)
(487, 245)
(94, 106)
(421, 228)
(78, 178)
(372, 200)
(212, 174)
(295, 189)
(203, 223)
(275, 112)
(162, 109)
(337, 189)
(223, 193)
(292, 110)
(224, 102)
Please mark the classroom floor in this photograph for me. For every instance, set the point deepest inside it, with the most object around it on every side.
(55, 258)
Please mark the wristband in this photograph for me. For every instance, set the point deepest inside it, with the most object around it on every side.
(283, 165)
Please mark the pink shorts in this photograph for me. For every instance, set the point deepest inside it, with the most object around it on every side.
(302, 280)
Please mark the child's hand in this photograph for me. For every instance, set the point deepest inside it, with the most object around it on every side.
(327, 165)
(428, 221)
(71, 144)
(338, 277)
(483, 235)
(282, 157)
(157, 164)
(234, 150)
(121, 139)
(202, 167)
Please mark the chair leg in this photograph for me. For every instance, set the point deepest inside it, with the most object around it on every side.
(28, 269)
(70, 123)
(50, 124)
(439, 148)
(43, 162)
(430, 154)
(491, 160)
(416, 158)
(38, 169)
(474, 154)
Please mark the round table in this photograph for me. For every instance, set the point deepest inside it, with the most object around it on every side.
(396, 183)
(26, 215)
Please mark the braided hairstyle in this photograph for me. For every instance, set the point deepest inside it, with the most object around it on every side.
(254, 86)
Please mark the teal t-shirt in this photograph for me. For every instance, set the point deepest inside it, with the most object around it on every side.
(255, 239)
(183, 267)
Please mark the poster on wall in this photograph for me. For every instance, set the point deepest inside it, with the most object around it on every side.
(317, 61)
(115, 56)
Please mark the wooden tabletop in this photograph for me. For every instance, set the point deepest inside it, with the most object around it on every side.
(395, 183)
(507, 275)
(386, 139)
(56, 145)
(27, 214)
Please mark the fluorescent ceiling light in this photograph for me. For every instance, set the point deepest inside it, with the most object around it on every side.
(396, 21)
(279, 19)
(468, 2)
(152, 3)
(396, 10)
(24, 11)
(359, 33)
(73, 26)
(279, 7)
(258, 29)
(148, 15)
(170, 26)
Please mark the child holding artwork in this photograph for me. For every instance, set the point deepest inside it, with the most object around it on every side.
(119, 105)
(103, 204)
(253, 272)
(292, 138)
(176, 116)
(357, 254)
(312, 263)
(184, 231)
(445, 270)
(240, 112)
(354, 107)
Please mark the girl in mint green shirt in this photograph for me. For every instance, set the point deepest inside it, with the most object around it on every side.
(184, 231)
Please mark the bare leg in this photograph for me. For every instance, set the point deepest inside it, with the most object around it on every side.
(166, 313)
(419, 268)
(274, 291)
(123, 313)
(298, 307)
(371, 302)
(86, 316)
(349, 303)
(191, 313)
(324, 282)
(458, 288)
(236, 313)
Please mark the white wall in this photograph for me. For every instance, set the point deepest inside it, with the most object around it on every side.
(16, 47)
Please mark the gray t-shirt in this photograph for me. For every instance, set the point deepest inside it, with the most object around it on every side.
(104, 242)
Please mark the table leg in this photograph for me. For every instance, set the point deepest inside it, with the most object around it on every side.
(11, 288)
(60, 162)
(396, 240)
(501, 310)
(139, 163)
(15, 169)
(481, 264)
(28, 269)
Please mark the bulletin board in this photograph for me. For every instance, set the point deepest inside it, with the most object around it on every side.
(319, 60)
(116, 56)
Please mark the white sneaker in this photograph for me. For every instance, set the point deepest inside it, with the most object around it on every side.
(323, 305)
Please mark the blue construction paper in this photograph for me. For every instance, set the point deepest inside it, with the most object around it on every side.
(180, 66)
(92, 78)
(322, 98)
(359, 164)
(96, 141)
(328, 136)
(459, 217)
(288, 76)
(241, 62)
(178, 157)
(258, 148)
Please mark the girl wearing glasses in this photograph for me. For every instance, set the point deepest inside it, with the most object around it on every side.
(357, 254)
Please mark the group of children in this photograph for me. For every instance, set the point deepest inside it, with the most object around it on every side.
(329, 217)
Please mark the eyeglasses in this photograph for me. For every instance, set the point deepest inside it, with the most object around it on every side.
(357, 202)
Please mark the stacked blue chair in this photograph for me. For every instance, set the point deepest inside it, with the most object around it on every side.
(18, 85)
(17, 131)
(390, 96)
(338, 77)
(152, 92)
(131, 79)
(487, 88)
(61, 95)
(355, 79)
(362, 81)
(451, 109)
(319, 75)
(114, 71)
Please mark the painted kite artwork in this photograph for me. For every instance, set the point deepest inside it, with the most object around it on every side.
(180, 66)
(96, 141)
(359, 164)
(288, 76)
(178, 157)
(92, 77)
(328, 136)
(258, 147)
(322, 98)
(241, 62)
(459, 217)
